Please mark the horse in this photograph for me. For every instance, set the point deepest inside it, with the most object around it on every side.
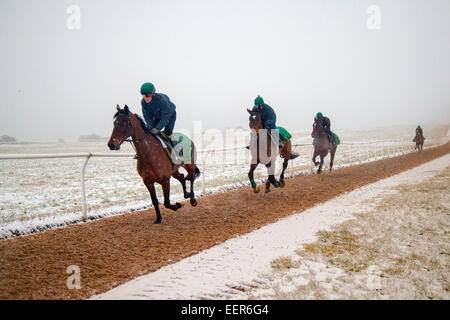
(255, 125)
(322, 145)
(419, 141)
(153, 162)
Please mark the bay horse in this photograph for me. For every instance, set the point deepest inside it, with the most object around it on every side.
(269, 157)
(419, 141)
(322, 145)
(153, 162)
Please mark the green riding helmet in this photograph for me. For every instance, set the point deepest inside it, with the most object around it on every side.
(259, 100)
(147, 88)
(319, 115)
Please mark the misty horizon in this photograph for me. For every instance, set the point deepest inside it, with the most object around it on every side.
(213, 58)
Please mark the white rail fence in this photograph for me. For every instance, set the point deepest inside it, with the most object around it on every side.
(368, 151)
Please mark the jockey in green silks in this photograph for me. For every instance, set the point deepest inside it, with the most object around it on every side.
(268, 117)
(326, 124)
(421, 133)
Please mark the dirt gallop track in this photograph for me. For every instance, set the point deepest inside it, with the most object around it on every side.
(114, 250)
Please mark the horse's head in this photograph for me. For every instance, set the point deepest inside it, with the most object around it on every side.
(317, 127)
(122, 128)
(255, 122)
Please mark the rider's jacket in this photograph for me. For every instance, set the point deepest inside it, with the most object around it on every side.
(158, 112)
(268, 116)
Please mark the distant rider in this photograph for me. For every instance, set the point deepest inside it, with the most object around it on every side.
(326, 124)
(421, 133)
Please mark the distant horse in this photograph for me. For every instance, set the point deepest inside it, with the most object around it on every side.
(419, 141)
(153, 162)
(255, 124)
(322, 145)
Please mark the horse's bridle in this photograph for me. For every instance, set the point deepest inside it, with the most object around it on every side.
(126, 130)
(254, 113)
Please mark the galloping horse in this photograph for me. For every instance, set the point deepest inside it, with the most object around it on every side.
(322, 145)
(153, 163)
(255, 124)
(419, 141)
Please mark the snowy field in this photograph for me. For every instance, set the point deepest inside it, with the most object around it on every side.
(366, 244)
(50, 188)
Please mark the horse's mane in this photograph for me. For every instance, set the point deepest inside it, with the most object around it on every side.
(142, 122)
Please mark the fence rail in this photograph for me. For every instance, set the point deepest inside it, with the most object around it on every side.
(394, 147)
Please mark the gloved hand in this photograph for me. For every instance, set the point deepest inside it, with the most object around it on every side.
(154, 131)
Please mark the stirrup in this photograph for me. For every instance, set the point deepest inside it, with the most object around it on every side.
(136, 156)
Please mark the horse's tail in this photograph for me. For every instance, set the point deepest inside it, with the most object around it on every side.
(197, 172)
(293, 156)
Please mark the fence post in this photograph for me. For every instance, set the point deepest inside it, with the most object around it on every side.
(83, 193)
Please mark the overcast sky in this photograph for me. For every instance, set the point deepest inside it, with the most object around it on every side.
(213, 57)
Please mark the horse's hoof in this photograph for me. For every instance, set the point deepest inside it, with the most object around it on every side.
(266, 191)
(256, 190)
(276, 185)
(178, 205)
(319, 171)
(193, 202)
(281, 184)
(187, 195)
(157, 221)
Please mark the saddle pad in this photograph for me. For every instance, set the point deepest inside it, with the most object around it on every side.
(336, 138)
(183, 146)
(284, 134)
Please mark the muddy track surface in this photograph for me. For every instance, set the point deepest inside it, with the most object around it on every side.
(114, 250)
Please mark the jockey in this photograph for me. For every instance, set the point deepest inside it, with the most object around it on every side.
(268, 117)
(158, 111)
(326, 123)
(421, 133)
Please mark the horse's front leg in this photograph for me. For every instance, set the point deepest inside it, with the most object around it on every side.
(151, 188)
(271, 176)
(250, 177)
(166, 190)
(314, 158)
(321, 164)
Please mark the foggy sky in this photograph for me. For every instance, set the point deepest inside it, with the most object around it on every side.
(213, 57)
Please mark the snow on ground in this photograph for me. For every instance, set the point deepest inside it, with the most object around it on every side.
(36, 195)
(242, 267)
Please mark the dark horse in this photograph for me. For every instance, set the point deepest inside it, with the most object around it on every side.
(419, 141)
(153, 163)
(269, 158)
(322, 145)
